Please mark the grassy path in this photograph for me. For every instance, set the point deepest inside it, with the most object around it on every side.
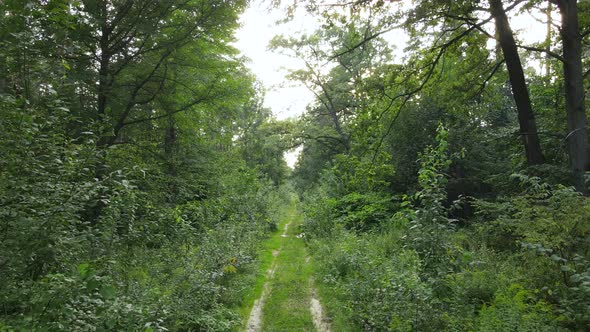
(287, 300)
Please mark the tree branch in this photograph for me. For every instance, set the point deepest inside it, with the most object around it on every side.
(363, 42)
(542, 50)
(132, 101)
(489, 77)
(408, 95)
(322, 138)
(182, 109)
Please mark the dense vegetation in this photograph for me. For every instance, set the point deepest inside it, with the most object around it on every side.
(131, 197)
(445, 191)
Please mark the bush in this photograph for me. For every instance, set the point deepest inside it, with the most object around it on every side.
(381, 292)
(515, 309)
(145, 261)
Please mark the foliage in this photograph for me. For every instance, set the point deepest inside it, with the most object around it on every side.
(142, 265)
(511, 310)
(140, 170)
(491, 275)
(127, 201)
(548, 226)
(382, 290)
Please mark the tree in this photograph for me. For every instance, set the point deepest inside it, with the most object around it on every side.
(577, 122)
(526, 116)
(125, 200)
(263, 141)
(129, 55)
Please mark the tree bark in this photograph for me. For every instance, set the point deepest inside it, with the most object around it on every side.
(526, 117)
(548, 38)
(93, 211)
(170, 150)
(3, 74)
(577, 122)
(105, 59)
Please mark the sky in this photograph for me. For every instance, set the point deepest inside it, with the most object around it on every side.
(258, 26)
(289, 99)
(285, 99)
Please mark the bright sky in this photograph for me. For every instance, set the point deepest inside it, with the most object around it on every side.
(289, 99)
(285, 99)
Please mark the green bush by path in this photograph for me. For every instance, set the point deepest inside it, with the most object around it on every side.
(146, 263)
(520, 263)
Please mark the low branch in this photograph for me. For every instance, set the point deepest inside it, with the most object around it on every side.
(207, 96)
(542, 50)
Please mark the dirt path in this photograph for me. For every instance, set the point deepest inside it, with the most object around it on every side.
(289, 301)
(255, 319)
(320, 321)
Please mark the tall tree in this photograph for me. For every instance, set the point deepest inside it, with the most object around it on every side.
(577, 122)
(526, 116)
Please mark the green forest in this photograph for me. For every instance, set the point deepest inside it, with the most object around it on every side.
(143, 183)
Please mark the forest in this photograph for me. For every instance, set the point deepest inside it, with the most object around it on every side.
(143, 183)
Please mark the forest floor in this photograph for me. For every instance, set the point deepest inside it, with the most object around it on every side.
(287, 299)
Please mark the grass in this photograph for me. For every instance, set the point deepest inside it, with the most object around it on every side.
(335, 307)
(258, 277)
(287, 307)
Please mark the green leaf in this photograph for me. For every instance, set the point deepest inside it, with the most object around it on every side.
(108, 292)
(83, 270)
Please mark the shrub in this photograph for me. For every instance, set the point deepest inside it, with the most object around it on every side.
(515, 309)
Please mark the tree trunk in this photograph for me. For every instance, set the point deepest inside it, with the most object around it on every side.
(3, 74)
(577, 123)
(105, 59)
(170, 151)
(526, 117)
(93, 211)
(548, 38)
